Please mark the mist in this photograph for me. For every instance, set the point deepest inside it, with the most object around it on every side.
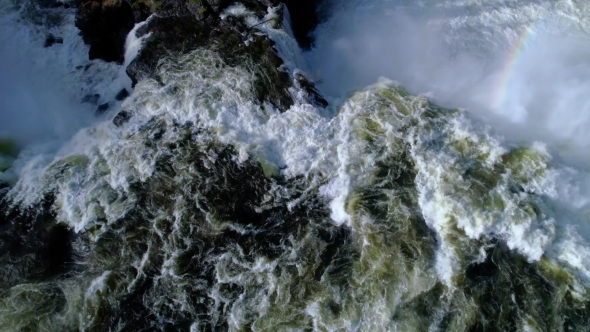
(32, 109)
(466, 56)
(38, 102)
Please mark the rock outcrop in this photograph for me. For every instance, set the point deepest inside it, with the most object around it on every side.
(51, 40)
(180, 35)
(32, 246)
(104, 25)
(305, 16)
(180, 26)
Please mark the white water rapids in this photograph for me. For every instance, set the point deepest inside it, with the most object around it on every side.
(506, 160)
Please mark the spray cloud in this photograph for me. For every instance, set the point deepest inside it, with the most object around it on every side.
(522, 66)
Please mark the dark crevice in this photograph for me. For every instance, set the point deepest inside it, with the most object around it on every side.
(305, 16)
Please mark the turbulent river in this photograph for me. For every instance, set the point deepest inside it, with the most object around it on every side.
(445, 186)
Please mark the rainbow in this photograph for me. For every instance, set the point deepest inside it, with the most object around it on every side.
(513, 56)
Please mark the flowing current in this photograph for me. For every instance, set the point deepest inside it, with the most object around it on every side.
(446, 186)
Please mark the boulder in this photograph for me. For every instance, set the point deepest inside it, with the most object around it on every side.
(182, 26)
(121, 118)
(102, 108)
(104, 25)
(179, 35)
(313, 95)
(51, 39)
(305, 16)
(33, 246)
(122, 94)
(91, 98)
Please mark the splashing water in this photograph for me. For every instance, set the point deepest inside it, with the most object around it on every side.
(205, 210)
(519, 65)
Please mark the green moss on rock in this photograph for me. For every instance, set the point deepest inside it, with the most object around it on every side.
(8, 147)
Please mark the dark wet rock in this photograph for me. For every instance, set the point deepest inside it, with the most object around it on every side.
(233, 193)
(312, 93)
(141, 10)
(141, 31)
(33, 246)
(259, 6)
(121, 118)
(9, 147)
(182, 26)
(305, 16)
(91, 98)
(201, 9)
(104, 25)
(122, 94)
(180, 35)
(55, 3)
(60, 5)
(102, 108)
(218, 5)
(51, 40)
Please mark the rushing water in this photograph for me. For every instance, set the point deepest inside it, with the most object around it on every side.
(205, 210)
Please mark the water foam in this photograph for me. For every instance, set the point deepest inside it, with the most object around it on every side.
(477, 55)
(387, 164)
(44, 88)
(480, 56)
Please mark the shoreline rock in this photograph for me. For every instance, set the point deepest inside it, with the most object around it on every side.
(104, 24)
(305, 17)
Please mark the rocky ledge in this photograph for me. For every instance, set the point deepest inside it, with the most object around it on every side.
(180, 26)
(33, 246)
